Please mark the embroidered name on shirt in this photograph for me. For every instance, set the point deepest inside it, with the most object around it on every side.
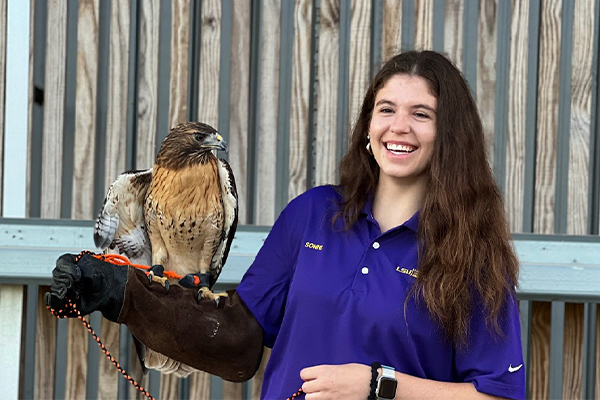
(314, 246)
(412, 272)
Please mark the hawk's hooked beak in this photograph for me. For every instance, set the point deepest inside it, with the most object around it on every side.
(215, 142)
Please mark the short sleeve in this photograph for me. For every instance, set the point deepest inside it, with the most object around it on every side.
(493, 363)
(264, 287)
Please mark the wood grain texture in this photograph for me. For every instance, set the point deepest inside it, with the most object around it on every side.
(210, 63)
(149, 22)
(486, 70)
(83, 172)
(85, 112)
(540, 350)
(169, 386)
(240, 87)
(266, 156)
(135, 370)
(3, 11)
(299, 101)
(391, 35)
(45, 349)
(424, 24)
(454, 31)
(572, 350)
(581, 100)
(547, 126)
(232, 390)
(54, 108)
(30, 94)
(199, 386)
(76, 373)
(180, 48)
(327, 98)
(118, 73)
(108, 375)
(517, 98)
(360, 54)
(258, 377)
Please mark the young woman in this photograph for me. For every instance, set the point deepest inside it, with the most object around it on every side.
(406, 263)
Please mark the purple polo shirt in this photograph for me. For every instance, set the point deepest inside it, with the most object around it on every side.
(328, 296)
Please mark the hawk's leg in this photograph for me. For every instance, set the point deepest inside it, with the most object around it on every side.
(156, 274)
(202, 281)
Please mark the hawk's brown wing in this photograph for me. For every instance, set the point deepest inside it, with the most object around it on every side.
(121, 227)
(230, 219)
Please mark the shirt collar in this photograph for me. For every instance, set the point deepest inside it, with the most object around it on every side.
(412, 223)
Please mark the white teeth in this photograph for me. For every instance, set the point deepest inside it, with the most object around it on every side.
(398, 148)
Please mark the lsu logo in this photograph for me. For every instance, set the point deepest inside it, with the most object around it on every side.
(411, 272)
(313, 246)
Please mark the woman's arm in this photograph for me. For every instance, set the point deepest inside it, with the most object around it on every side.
(352, 381)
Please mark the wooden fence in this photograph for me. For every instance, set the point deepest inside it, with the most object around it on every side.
(282, 80)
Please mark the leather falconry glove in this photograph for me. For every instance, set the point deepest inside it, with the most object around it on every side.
(225, 341)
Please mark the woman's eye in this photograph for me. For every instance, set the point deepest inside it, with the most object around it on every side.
(386, 110)
(421, 115)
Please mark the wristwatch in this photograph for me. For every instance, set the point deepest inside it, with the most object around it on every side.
(386, 383)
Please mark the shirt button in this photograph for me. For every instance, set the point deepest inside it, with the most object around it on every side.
(375, 245)
(365, 270)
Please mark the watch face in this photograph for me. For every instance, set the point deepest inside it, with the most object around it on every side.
(387, 388)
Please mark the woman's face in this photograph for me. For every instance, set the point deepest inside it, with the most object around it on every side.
(402, 129)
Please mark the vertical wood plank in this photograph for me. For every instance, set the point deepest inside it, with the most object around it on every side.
(327, 99)
(424, 24)
(30, 107)
(269, 97)
(573, 346)
(454, 31)
(517, 96)
(54, 101)
(180, 41)
(149, 24)
(360, 56)
(118, 72)
(540, 350)
(3, 5)
(486, 70)
(581, 99)
(83, 174)
(45, 349)
(108, 375)
(199, 386)
(232, 390)
(240, 83)
(258, 378)
(547, 134)
(208, 110)
(391, 35)
(54, 94)
(299, 101)
(85, 113)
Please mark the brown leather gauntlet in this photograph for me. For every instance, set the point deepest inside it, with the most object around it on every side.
(226, 341)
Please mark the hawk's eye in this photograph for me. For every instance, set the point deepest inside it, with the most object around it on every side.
(198, 136)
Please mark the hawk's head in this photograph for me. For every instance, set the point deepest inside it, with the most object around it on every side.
(190, 143)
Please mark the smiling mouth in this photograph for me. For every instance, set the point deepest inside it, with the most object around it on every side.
(399, 148)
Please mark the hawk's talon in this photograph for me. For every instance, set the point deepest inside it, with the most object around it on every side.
(156, 275)
(205, 292)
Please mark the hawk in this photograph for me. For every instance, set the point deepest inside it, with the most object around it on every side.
(181, 215)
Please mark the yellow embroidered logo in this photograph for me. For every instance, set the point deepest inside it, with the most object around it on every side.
(412, 272)
(313, 246)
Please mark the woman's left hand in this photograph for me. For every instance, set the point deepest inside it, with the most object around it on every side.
(346, 381)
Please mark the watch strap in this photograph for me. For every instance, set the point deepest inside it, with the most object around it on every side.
(374, 374)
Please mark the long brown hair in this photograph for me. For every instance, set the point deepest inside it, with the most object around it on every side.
(465, 253)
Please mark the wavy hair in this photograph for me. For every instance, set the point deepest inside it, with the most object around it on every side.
(465, 256)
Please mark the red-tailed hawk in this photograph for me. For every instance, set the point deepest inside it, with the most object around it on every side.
(181, 215)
